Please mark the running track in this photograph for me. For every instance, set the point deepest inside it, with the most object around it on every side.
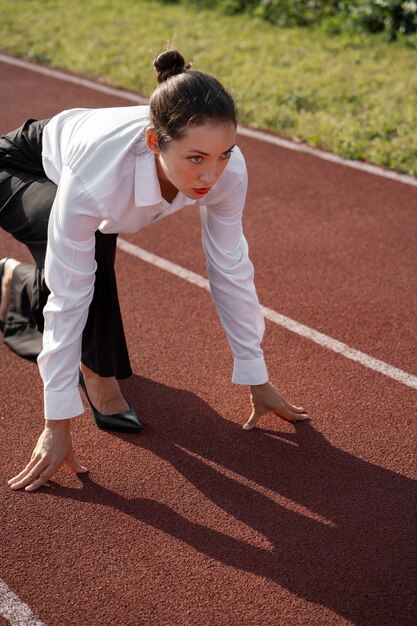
(195, 521)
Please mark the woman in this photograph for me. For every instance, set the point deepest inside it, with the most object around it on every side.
(68, 186)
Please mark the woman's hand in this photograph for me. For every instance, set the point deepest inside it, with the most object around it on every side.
(266, 398)
(54, 448)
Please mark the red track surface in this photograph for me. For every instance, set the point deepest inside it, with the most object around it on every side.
(196, 521)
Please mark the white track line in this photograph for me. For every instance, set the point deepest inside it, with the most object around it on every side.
(16, 612)
(72, 78)
(277, 318)
(328, 156)
(246, 132)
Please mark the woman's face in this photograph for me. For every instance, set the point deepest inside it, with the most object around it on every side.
(194, 163)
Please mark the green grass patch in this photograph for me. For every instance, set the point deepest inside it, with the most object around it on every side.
(353, 94)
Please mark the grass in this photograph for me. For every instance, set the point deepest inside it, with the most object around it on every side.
(354, 95)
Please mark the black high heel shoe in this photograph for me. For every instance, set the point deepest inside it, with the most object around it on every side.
(127, 422)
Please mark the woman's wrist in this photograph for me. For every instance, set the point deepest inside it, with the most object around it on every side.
(58, 425)
(262, 386)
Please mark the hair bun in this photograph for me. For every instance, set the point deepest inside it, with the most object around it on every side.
(169, 63)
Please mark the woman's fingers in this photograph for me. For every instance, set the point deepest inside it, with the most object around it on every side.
(42, 478)
(29, 477)
(295, 409)
(267, 398)
(54, 447)
(286, 414)
(291, 412)
(23, 473)
(254, 418)
(76, 467)
(293, 416)
(250, 423)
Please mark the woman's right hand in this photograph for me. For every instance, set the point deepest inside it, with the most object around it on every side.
(54, 448)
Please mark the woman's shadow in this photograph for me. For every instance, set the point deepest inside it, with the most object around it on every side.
(347, 540)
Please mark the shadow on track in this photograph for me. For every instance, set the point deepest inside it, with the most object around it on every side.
(361, 561)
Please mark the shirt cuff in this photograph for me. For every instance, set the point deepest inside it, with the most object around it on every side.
(61, 405)
(250, 371)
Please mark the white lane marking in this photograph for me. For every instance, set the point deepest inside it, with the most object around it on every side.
(277, 318)
(163, 264)
(72, 78)
(341, 348)
(246, 132)
(14, 610)
(328, 156)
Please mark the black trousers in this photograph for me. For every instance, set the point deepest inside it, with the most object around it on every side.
(26, 198)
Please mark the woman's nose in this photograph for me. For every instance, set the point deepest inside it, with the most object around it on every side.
(208, 176)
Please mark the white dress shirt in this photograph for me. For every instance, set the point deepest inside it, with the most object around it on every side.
(107, 181)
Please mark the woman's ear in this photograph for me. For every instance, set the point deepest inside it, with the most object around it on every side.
(152, 140)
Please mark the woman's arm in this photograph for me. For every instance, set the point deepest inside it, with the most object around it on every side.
(69, 274)
(231, 278)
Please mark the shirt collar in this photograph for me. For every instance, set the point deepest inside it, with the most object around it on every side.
(147, 189)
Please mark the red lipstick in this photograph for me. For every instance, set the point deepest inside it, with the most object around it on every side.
(202, 191)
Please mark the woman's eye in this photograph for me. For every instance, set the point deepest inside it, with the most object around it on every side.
(199, 159)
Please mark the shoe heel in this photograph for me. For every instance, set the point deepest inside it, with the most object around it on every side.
(126, 422)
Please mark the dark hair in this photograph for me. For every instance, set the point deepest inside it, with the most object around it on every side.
(186, 98)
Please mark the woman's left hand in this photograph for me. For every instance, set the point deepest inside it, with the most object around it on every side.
(266, 398)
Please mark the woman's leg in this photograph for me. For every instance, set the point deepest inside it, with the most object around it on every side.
(25, 203)
(104, 348)
(20, 332)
